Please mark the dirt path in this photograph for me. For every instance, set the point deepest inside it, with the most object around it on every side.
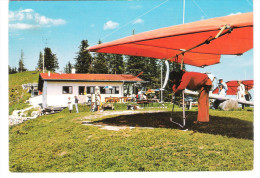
(88, 120)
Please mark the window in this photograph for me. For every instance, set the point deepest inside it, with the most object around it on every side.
(116, 90)
(67, 89)
(113, 90)
(90, 90)
(108, 90)
(102, 90)
(81, 90)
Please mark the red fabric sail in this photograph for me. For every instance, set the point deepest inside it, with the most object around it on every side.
(166, 42)
(232, 86)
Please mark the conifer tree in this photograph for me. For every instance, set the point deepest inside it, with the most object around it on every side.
(40, 62)
(12, 70)
(50, 60)
(100, 63)
(67, 68)
(21, 66)
(9, 69)
(153, 72)
(83, 59)
(116, 63)
(134, 65)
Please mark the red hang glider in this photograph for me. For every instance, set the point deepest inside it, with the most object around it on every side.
(233, 85)
(198, 43)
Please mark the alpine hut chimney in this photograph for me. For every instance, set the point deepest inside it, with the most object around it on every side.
(73, 70)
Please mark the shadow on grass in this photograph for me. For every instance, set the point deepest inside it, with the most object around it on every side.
(226, 126)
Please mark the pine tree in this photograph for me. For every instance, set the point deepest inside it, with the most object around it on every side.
(40, 62)
(50, 60)
(134, 65)
(21, 66)
(9, 69)
(14, 70)
(100, 63)
(84, 60)
(153, 73)
(67, 68)
(116, 63)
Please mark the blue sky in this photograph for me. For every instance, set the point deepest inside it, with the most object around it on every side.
(62, 25)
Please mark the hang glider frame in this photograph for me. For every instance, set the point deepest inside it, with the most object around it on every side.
(183, 124)
(207, 41)
(220, 33)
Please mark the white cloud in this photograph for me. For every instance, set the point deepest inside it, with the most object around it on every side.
(235, 13)
(138, 21)
(26, 10)
(110, 25)
(22, 26)
(92, 25)
(28, 19)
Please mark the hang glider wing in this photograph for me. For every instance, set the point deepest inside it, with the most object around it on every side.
(229, 35)
(233, 85)
(215, 96)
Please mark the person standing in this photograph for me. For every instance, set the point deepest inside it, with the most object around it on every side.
(76, 103)
(197, 82)
(32, 91)
(241, 92)
(221, 92)
(225, 87)
(70, 105)
(97, 98)
(248, 96)
(139, 94)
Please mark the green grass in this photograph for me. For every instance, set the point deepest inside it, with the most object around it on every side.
(18, 96)
(60, 143)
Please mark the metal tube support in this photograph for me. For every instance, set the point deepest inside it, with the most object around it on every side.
(219, 34)
(183, 109)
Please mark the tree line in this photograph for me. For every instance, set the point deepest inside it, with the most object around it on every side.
(50, 62)
(20, 68)
(103, 63)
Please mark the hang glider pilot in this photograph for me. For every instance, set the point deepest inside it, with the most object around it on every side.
(197, 82)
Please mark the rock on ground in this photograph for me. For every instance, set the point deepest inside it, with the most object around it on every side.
(229, 105)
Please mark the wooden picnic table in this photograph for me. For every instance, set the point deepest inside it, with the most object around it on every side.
(112, 99)
(145, 102)
(117, 99)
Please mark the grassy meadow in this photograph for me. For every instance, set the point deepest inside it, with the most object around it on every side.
(61, 143)
(18, 96)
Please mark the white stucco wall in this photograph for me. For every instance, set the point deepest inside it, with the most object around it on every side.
(44, 94)
(54, 96)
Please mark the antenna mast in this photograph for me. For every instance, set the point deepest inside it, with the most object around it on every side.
(43, 55)
(183, 11)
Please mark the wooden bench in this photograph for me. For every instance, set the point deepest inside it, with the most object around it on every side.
(108, 106)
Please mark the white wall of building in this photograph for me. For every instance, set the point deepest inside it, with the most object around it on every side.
(53, 96)
(44, 94)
